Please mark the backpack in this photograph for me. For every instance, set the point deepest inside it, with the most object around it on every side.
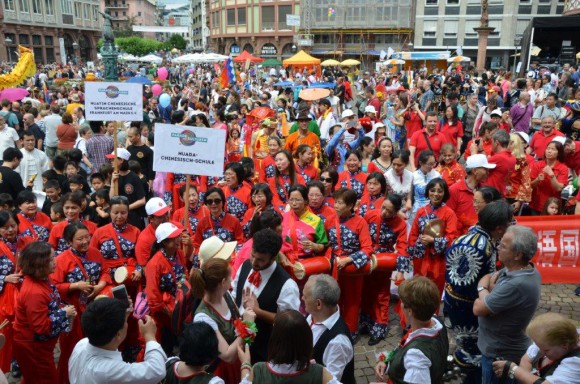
(512, 98)
(184, 308)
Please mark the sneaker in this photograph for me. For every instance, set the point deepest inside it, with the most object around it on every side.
(374, 341)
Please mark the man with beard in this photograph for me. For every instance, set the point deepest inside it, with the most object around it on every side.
(129, 186)
(469, 258)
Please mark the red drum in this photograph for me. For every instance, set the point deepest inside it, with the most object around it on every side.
(351, 270)
(384, 262)
(311, 266)
(123, 275)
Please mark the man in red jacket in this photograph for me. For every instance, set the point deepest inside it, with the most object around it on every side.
(503, 159)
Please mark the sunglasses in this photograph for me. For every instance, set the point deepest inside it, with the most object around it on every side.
(326, 179)
(213, 201)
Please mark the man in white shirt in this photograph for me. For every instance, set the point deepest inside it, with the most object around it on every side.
(8, 136)
(326, 120)
(33, 162)
(264, 286)
(96, 360)
(50, 123)
(331, 336)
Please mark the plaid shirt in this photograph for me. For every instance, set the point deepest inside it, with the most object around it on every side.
(98, 146)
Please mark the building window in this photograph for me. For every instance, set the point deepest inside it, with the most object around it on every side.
(284, 10)
(268, 18)
(23, 39)
(36, 40)
(124, 13)
(86, 11)
(48, 41)
(430, 28)
(242, 16)
(66, 7)
(452, 2)
(469, 25)
(48, 7)
(497, 25)
(36, 6)
(231, 16)
(50, 55)
(431, 2)
(450, 28)
(24, 6)
(9, 5)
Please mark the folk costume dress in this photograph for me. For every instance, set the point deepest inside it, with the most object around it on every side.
(117, 247)
(420, 181)
(353, 180)
(280, 189)
(308, 172)
(268, 169)
(350, 238)
(376, 166)
(73, 266)
(249, 215)
(58, 243)
(163, 274)
(326, 213)
(206, 313)
(9, 252)
(39, 320)
(468, 259)
(387, 235)
(430, 261)
(37, 227)
(451, 173)
(194, 217)
(226, 226)
(369, 203)
(238, 199)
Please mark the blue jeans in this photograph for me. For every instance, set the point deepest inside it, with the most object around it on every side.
(488, 374)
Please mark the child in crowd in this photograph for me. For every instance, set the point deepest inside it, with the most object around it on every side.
(52, 190)
(98, 184)
(6, 202)
(59, 166)
(553, 206)
(56, 213)
(451, 171)
(101, 213)
(135, 167)
(107, 171)
(76, 156)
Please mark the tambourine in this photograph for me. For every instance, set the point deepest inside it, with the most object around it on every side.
(384, 262)
(311, 266)
(123, 274)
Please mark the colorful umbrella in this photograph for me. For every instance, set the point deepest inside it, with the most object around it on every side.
(350, 62)
(330, 63)
(258, 114)
(458, 59)
(13, 94)
(312, 94)
(394, 62)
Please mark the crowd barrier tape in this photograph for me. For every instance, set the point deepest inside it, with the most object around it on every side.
(558, 255)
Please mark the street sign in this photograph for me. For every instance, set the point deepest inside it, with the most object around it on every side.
(293, 20)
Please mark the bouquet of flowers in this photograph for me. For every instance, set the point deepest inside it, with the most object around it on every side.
(246, 330)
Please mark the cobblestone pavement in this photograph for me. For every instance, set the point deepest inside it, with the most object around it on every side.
(555, 297)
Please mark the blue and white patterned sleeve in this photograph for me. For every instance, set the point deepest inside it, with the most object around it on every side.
(59, 323)
(440, 245)
(403, 264)
(359, 259)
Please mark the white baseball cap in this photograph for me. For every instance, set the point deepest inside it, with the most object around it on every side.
(370, 109)
(559, 139)
(496, 112)
(525, 137)
(122, 153)
(216, 248)
(378, 125)
(347, 113)
(167, 231)
(156, 207)
(478, 161)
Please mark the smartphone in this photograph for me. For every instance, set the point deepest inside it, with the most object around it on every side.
(120, 293)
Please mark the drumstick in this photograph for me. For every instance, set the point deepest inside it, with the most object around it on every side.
(4, 323)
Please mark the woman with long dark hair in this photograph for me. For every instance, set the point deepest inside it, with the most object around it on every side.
(452, 128)
(549, 177)
(382, 160)
(303, 163)
(284, 177)
(79, 277)
(329, 179)
(261, 196)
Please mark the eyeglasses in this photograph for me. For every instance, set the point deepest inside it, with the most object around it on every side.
(295, 200)
(213, 201)
(119, 200)
(326, 179)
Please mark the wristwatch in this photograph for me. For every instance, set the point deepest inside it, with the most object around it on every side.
(512, 373)
(482, 288)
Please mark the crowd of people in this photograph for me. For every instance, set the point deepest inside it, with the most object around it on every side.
(272, 272)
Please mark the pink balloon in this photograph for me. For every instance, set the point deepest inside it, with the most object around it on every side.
(156, 89)
(162, 73)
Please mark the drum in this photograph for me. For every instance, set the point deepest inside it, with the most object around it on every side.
(311, 266)
(351, 269)
(384, 262)
(123, 274)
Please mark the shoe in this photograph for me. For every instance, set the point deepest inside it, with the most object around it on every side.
(374, 341)
(355, 338)
(577, 291)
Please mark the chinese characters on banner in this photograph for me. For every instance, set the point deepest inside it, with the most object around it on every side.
(557, 258)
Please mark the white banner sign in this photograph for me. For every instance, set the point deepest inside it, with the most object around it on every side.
(189, 150)
(293, 20)
(113, 101)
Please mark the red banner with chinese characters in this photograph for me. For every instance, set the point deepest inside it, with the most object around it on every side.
(557, 258)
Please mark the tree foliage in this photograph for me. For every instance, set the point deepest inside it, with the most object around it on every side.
(137, 46)
(176, 41)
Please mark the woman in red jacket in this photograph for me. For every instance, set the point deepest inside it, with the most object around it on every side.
(349, 243)
(195, 211)
(353, 177)
(72, 204)
(388, 232)
(11, 243)
(304, 167)
(318, 206)
(548, 177)
(31, 222)
(40, 316)
(165, 271)
(236, 191)
(79, 277)
(284, 177)
(261, 200)
(427, 251)
(268, 164)
(452, 128)
(376, 187)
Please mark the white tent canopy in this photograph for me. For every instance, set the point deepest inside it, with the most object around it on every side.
(198, 58)
(150, 59)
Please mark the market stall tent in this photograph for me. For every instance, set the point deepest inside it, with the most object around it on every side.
(303, 60)
(245, 56)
